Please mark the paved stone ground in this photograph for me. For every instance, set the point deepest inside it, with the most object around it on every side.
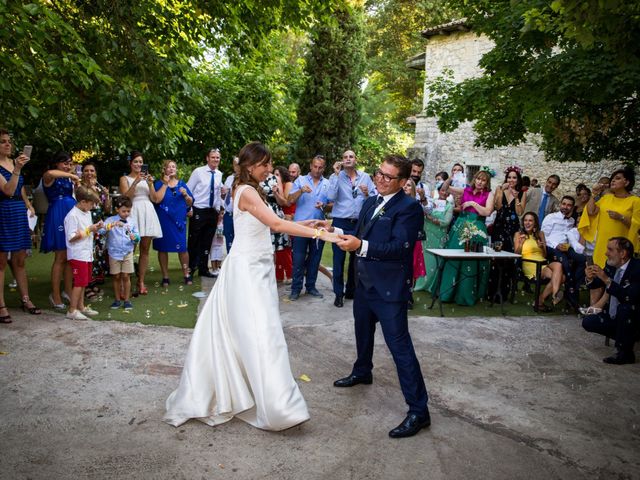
(511, 398)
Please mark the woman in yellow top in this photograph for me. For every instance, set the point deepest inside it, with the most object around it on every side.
(616, 214)
(530, 243)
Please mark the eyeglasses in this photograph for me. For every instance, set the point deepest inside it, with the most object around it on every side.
(319, 157)
(354, 191)
(384, 176)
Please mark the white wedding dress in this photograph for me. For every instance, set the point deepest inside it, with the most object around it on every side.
(237, 364)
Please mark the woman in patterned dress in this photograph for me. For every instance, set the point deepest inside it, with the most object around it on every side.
(100, 212)
(58, 184)
(15, 236)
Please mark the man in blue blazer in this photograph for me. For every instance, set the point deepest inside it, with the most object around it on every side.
(619, 317)
(386, 234)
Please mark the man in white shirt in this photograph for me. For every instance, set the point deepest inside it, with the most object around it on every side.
(206, 185)
(423, 190)
(556, 227)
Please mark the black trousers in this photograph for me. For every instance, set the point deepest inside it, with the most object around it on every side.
(202, 228)
(624, 328)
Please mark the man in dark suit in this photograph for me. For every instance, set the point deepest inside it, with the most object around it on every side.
(386, 234)
(619, 318)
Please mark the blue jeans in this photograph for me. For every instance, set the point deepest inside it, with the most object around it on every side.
(306, 253)
(339, 256)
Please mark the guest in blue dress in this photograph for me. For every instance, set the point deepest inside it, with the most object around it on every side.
(15, 235)
(172, 213)
(58, 184)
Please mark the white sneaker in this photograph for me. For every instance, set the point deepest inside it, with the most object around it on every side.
(89, 311)
(216, 272)
(76, 315)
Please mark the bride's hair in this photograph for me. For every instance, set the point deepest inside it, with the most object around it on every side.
(254, 153)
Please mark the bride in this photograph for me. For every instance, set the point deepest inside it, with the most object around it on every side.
(237, 364)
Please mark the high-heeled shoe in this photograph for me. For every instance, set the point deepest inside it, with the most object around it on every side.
(66, 297)
(33, 310)
(5, 318)
(59, 306)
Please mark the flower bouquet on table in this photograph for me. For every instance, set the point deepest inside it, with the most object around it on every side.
(471, 237)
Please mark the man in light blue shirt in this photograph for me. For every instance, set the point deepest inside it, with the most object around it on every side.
(348, 189)
(309, 193)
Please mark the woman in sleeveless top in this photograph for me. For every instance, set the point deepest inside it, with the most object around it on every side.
(15, 235)
(531, 244)
(466, 281)
(138, 186)
(239, 331)
(58, 183)
(510, 203)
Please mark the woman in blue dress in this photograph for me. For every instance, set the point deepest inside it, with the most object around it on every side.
(15, 235)
(58, 184)
(172, 213)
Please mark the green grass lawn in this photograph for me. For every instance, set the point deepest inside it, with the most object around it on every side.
(174, 305)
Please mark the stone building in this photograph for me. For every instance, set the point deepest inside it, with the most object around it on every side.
(455, 47)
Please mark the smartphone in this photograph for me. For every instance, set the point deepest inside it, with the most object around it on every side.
(589, 260)
(144, 169)
(79, 170)
(27, 150)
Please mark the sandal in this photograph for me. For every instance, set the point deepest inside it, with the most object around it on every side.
(5, 318)
(33, 310)
(188, 280)
(90, 295)
(165, 282)
(142, 290)
(557, 298)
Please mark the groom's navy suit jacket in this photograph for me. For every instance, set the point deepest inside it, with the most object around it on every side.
(388, 267)
(383, 288)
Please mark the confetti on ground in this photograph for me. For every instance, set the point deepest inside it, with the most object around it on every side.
(4, 353)
(304, 377)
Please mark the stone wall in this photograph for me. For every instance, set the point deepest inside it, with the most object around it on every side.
(460, 52)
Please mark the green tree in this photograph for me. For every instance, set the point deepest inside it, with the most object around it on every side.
(330, 106)
(393, 35)
(566, 70)
(108, 76)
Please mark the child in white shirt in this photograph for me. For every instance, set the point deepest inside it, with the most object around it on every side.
(79, 232)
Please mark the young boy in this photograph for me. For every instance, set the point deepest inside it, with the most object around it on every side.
(79, 233)
(122, 236)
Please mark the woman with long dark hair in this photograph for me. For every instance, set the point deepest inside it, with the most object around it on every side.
(239, 331)
(531, 244)
(138, 186)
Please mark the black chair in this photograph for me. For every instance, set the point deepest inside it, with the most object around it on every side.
(537, 282)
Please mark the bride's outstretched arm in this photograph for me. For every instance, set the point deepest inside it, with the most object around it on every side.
(251, 202)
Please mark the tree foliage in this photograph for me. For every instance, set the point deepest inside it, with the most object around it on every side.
(567, 70)
(393, 36)
(110, 75)
(330, 106)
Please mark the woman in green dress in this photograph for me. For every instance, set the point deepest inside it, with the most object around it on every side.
(436, 225)
(466, 281)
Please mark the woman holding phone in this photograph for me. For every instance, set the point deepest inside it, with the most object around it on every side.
(58, 183)
(15, 236)
(138, 186)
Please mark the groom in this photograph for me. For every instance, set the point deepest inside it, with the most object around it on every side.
(386, 234)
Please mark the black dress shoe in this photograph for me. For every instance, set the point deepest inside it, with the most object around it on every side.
(352, 380)
(339, 301)
(620, 359)
(348, 296)
(411, 425)
(206, 274)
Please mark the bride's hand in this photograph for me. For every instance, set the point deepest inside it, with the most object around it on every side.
(330, 237)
